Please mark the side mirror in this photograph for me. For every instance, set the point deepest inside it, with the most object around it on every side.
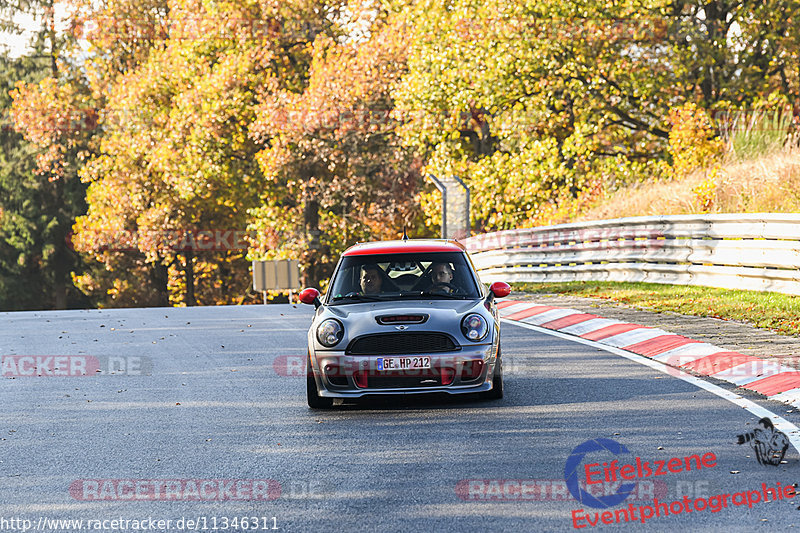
(500, 289)
(310, 296)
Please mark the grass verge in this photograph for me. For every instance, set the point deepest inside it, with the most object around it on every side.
(767, 310)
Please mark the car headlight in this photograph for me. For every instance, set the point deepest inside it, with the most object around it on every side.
(330, 332)
(474, 327)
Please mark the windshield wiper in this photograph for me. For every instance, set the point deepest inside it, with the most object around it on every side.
(358, 296)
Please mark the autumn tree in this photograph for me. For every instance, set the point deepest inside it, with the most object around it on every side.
(336, 170)
(177, 155)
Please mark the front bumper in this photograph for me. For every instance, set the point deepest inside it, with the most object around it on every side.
(465, 371)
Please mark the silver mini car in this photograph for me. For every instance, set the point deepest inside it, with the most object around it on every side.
(404, 317)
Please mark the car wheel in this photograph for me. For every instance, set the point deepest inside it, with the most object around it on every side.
(315, 401)
(497, 380)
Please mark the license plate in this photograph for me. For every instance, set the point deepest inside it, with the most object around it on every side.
(403, 363)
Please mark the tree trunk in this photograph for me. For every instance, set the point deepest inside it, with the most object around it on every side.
(51, 31)
(60, 257)
(159, 274)
(311, 258)
(188, 270)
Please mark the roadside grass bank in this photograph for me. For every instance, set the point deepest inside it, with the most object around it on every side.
(769, 184)
(766, 310)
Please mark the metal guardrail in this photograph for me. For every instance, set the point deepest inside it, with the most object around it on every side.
(738, 251)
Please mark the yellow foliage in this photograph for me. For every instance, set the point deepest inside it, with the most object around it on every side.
(692, 141)
(706, 192)
(567, 207)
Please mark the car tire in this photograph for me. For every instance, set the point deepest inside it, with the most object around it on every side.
(315, 401)
(497, 381)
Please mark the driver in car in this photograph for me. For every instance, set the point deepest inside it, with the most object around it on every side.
(371, 279)
(442, 276)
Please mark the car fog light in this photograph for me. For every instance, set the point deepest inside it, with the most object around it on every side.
(360, 378)
(447, 376)
(471, 370)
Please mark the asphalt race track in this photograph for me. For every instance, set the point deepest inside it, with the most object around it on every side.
(200, 414)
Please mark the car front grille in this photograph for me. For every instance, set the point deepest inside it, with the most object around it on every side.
(403, 382)
(401, 343)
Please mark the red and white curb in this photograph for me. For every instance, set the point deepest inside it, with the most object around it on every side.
(767, 377)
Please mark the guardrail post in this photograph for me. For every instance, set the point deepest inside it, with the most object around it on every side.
(455, 220)
(468, 222)
(443, 190)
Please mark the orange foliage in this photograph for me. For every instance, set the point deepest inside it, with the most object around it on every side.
(335, 144)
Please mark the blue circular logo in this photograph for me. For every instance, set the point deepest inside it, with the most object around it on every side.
(571, 474)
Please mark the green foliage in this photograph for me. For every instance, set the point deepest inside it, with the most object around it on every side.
(525, 99)
(536, 103)
(20, 273)
(37, 201)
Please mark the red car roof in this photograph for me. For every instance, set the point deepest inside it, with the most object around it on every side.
(404, 247)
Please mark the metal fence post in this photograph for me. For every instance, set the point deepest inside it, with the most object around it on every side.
(443, 190)
(467, 207)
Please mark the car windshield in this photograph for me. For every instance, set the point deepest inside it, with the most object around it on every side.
(437, 275)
